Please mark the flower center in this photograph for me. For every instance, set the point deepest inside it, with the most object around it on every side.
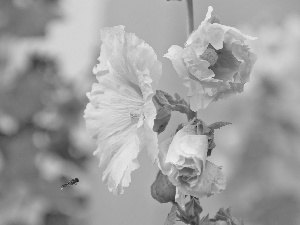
(210, 55)
(135, 116)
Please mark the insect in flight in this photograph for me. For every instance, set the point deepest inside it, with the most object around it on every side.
(71, 182)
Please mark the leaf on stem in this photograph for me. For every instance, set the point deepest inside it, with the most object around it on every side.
(225, 215)
(191, 212)
(218, 125)
(163, 109)
(205, 220)
(193, 207)
(171, 219)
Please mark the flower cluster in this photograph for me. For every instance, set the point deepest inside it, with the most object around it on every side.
(126, 112)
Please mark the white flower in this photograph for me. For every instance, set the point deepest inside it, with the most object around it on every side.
(214, 64)
(120, 115)
(183, 160)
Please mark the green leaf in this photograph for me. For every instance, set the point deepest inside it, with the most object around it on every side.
(160, 98)
(205, 220)
(160, 124)
(202, 129)
(197, 206)
(225, 215)
(163, 110)
(171, 219)
(193, 207)
(218, 125)
(190, 215)
(177, 104)
(177, 96)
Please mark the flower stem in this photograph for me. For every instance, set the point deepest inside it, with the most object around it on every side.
(190, 29)
(190, 17)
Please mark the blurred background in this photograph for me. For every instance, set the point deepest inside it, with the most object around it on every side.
(47, 51)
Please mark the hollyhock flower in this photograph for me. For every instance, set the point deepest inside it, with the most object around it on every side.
(214, 64)
(120, 115)
(183, 159)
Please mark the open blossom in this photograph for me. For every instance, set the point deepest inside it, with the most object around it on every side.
(120, 115)
(214, 64)
(183, 159)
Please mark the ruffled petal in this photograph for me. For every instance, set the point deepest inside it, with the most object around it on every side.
(195, 37)
(206, 34)
(151, 141)
(130, 57)
(110, 99)
(174, 54)
(187, 145)
(212, 181)
(197, 67)
(226, 66)
(162, 155)
(117, 173)
(199, 101)
(203, 92)
(243, 54)
(215, 35)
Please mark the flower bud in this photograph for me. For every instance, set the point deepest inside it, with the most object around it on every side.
(162, 189)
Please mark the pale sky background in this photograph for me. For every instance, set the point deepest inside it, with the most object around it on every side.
(161, 24)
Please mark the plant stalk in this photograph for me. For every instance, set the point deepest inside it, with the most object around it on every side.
(190, 28)
(190, 17)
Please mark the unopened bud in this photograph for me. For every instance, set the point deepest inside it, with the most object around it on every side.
(162, 189)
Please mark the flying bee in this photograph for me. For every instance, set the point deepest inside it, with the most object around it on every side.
(71, 182)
